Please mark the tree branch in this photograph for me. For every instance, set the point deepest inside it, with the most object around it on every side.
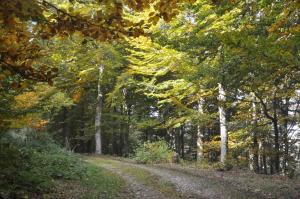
(265, 109)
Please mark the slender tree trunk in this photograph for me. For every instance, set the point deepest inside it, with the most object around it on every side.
(271, 166)
(274, 119)
(254, 165)
(82, 127)
(127, 130)
(260, 156)
(285, 135)
(66, 128)
(115, 138)
(177, 141)
(298, 155)
(182, 141)
(171, 136)
(115, 141)
(264, 159)
(276, 138)
(200, 133)
(121, 134)
(99, 114)
(223, 123)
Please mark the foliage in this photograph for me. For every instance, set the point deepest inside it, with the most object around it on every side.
(33, 162)
(154, 152)
(24, 23)
(223, 166)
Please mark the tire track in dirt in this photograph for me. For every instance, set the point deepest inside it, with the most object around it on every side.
(137, 189)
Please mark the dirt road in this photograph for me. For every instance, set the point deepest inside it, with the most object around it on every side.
(163, 182)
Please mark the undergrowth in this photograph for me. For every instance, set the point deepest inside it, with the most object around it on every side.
(154, 152)
(33, 166)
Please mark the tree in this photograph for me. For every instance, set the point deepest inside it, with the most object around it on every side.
(24, 23)
(223, 123)
(99, 107)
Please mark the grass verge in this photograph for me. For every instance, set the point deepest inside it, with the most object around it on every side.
(148, 179)
(97, 183)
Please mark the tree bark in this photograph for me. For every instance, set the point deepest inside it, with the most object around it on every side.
(66, 128)
(223, 123)
(121, 134)
(99, 114)
(200, 133)
(285, 135)
(182, 141)
(276, 137)
(82, 128)
(177, 141)
(274, 119)
(254, 164)
(127, 130)
(172, 141)
(264, 159)
(115, 136)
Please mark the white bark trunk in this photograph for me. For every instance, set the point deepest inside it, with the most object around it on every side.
(260, 148)
(254, 122)
(200, 133)
(223, 122)
(172, 138)
(98, 114)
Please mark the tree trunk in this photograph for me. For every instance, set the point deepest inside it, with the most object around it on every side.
(264, 160)
(200, 133)
(82, 127)
(276, 137)
(271, 161)
(254, 165)
(223, 123)
(285, 135)
(121, 137)
(177, 141)
(274, 119)
(182, 141)
(127, 130)
(66, 128)
(115, 141)
(115, 138)
(99, 114)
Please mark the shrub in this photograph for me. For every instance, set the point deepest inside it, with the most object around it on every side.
(223, 166)
(32, 163)
(154, 152)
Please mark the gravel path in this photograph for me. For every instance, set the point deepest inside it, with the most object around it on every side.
(198, 184)
(187, 185)
(190, 187)
(137, 189)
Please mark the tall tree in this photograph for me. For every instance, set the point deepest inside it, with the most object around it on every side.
(98, 117)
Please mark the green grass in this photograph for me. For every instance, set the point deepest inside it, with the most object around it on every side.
(102, 183)
(151, 180)
(97, 183)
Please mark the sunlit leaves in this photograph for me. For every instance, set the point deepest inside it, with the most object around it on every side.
(26, 100)
(23, 23)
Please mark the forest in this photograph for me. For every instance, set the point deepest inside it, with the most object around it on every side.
(149, 99)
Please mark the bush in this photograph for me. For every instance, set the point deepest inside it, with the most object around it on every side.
(32, 163)
(154, 152)
(223, 166)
